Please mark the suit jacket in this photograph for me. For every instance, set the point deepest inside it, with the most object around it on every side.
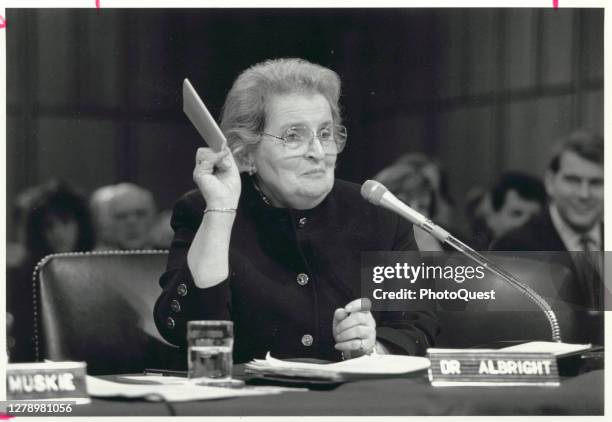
(539, 234)
(585, 289)
(289, 271)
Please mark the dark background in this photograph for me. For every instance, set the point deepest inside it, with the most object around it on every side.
(94, 96)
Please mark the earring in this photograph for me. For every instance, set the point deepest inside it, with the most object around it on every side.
(252, 170)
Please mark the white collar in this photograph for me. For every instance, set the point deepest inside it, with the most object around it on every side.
(569, 236)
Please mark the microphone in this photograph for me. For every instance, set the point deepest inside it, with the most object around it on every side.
(377, 194)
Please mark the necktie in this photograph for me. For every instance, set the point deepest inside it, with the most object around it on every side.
(590, 267)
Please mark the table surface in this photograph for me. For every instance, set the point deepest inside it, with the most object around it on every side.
(408, 395)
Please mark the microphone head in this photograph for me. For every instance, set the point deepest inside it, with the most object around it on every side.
(373, 191)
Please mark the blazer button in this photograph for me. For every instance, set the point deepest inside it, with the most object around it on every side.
(170, 322)
(302, 279)
(307, 340)
(302, 222)
(175, 306)
(181, 289)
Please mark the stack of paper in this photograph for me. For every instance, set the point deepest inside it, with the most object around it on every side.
(363, 367)
(174, 391)
(556, 348)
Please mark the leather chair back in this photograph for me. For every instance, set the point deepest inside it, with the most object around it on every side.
(98, 307)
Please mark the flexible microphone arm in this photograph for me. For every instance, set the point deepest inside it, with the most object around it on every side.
(374, 191)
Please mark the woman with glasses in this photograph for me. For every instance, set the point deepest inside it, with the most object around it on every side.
(272, 241)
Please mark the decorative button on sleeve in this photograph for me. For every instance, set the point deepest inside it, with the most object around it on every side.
(181, 289)
(170, 322)
(302, 279)
(307, 340)
(175, 306)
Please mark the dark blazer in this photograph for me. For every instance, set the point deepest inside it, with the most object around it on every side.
(540, 234)
(289, 271)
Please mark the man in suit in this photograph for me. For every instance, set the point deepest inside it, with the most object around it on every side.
(574, 183)
(573, 220)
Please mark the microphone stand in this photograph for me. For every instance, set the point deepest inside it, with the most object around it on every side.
(444, 236)
(379, 195)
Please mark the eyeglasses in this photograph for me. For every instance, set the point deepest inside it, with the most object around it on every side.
(299, 136)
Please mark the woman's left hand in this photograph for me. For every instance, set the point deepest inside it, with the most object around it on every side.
(354, 328)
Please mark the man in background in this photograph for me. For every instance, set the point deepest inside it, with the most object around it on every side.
(573, 221)
(574, 218)
(515, 198)
(124, 216)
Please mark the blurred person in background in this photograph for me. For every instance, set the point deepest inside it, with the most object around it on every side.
(516, 198)
(99, 203)
(477, 210)
(574, 184)
(573, 221)
(16, 250)
(124, 215)
(57, 220)
(417, 181)
(161, 231)
(444, 212)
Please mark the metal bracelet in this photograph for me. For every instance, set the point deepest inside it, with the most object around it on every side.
(224, 210)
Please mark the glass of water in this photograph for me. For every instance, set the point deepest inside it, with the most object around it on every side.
(209, 353)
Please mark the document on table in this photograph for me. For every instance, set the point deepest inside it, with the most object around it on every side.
(362, 367)
(155, 379)
(557, 349)
(172, 391)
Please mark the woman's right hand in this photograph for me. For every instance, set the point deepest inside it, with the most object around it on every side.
(216, 175)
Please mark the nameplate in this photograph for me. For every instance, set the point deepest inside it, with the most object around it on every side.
(47, 380)
(456, 367)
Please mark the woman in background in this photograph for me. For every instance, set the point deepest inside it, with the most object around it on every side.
(56, 220)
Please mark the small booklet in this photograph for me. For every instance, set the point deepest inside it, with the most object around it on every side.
(200, 117)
